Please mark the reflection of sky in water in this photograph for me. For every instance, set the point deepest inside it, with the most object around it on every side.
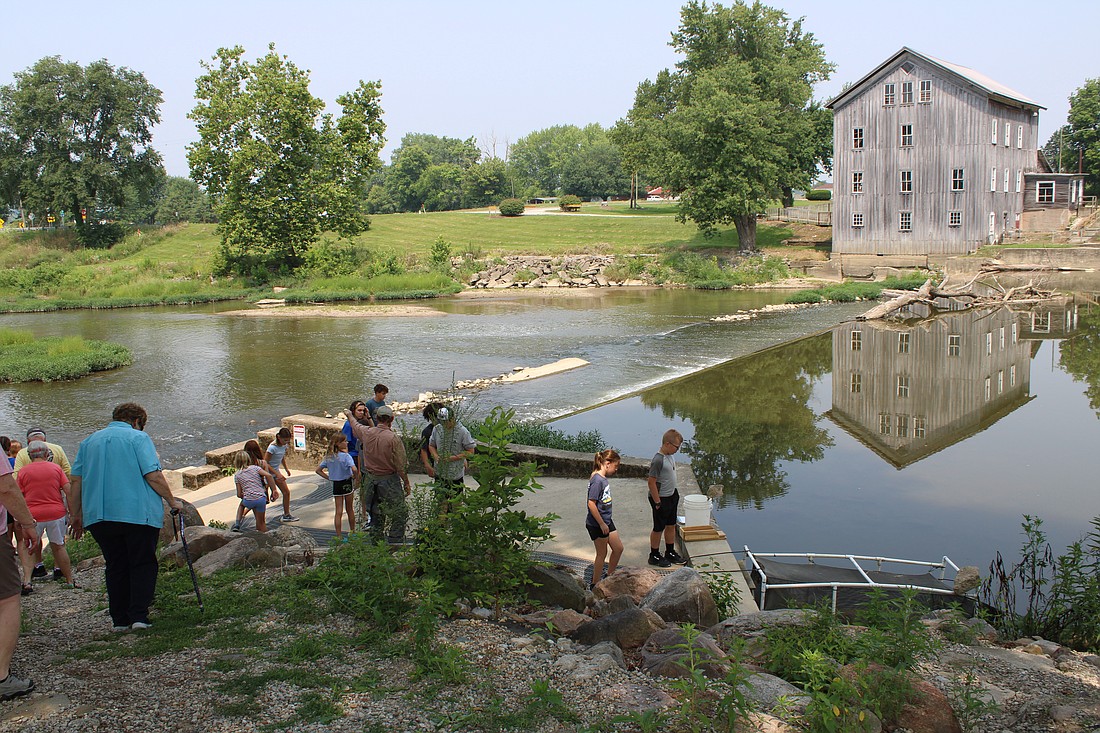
(966, 500)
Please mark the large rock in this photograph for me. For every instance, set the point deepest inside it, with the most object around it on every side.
(665, 654)
(267, 557)
(967, 579)
(749, 625)
(766, 692)
(928, 711)
(635, 698)
(233, 555)
(555, 586)
(567, 621)
(191, 518)
(762, 723)
(634, 582)
(629, 629)
(201, 540)
(683, 597)
(288, 535)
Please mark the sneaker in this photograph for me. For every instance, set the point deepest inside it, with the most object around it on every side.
(39, 571)
(140, 625)
(26, 590)
(675, 558)
(655, 558)
(289, 518)
(57, 574)
(120, 629)
(14, 687)
(236, 527)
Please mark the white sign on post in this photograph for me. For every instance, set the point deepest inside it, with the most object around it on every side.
(299, 437)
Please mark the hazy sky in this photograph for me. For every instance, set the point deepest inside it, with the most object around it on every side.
(498, 70)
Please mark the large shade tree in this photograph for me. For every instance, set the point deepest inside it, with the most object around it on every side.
(734, 127)
(278, 170)
(78, 137)
(1084, 122)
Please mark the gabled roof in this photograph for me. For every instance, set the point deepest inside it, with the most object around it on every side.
(995, 90)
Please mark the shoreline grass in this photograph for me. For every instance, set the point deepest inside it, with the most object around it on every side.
(26, 359)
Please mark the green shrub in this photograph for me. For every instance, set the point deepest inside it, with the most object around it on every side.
(569, 200)
(101, 236)
(331, 259)
(544, 436)
(511, 207)
(53, 359)
(818, 194)
(441, 254)
(804, 296)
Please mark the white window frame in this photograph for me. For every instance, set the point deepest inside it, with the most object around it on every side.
(905, 221)
(1039, 191)
(1008, 134)
(954, 344)
(1000, 381)
(993, 179)
(907, 92)
(920, 427)
(902, 135)
(954, 218)
(988, 343)
(1019, 179)
(1012, 375)
(1008, 174)
(903, 386)
(1015, 333)
(992, 223)
(903, 343)
(958, 182)
(905, 181)
(857, 181)
(884, 423)
(1019, 137)
(994, 132)
(901, 426)
(889, 94)
(1002, 338)
(857, 219)
(988, 388)
(857, 138)
(926, 91)
(1073, 192)
(855, 384)
(857, 340)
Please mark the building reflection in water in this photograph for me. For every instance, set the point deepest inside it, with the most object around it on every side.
(909, 389)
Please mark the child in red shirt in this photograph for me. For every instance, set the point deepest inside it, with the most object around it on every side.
(46, 488)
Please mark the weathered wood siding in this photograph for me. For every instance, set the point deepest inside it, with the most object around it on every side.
(953, 130)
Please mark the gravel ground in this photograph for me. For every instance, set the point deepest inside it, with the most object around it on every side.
(185, 691)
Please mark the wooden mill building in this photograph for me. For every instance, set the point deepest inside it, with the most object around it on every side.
(932, 158)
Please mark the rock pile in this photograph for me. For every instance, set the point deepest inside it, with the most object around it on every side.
(570, 271)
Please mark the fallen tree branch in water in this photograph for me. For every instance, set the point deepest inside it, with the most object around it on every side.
(964, 298)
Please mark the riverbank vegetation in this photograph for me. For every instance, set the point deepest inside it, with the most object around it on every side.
(402, 256)
(23, 358)
(849, 292)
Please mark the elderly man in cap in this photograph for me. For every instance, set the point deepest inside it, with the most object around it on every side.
(383, 460)
(57, 456)
(12, 507)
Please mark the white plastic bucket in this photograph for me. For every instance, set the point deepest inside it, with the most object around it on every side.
(696, 510)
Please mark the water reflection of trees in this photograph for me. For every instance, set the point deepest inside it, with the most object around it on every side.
(1080, 356)
(749, 415)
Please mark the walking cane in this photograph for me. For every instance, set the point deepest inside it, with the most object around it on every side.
(187, 556)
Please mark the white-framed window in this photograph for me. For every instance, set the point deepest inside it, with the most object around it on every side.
(1000, 381)
(1015, 333)
(1040, 322)
(954, 218)
(1019, 180)
(1073, 192)
(954, 344)
(857, 182)
(1008, 134)
(958, 179)
(903, 343)
(907, 92)
(988, 390)
(857, 219)
(920, 427)
(857, 138)
(988, 343)
(884, 423)
(905, 221)
(905, 181)
(1007, 174)
(903, 386)
(888, 97)
(856, 383)
(994, 131)
(906, 134)
(1044, 192)
(857, 340)
(901, 423)
(993, 178)
(1001, 335)
(926, 91)
(1019, 137)
(1012, 376)
(992, 223)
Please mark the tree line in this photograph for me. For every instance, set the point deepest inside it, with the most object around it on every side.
(731, 128)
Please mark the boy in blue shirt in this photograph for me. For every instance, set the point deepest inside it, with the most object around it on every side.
(379, 399)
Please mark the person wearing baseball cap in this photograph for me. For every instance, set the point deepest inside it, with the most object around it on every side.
(383, 459)
(23, 458)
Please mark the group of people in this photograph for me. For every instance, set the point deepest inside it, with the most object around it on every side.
(663, 500)
(115, 488)
(368, 454)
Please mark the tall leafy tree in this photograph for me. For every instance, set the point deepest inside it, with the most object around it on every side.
(736, 124)
(537, 158)
(1084, 120)
(443, 150)
(183, 200)
(1060, 151)
(279, 171)
(76, 137)
(486, 183)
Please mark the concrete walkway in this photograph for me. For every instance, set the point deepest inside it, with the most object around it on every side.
(312, 503)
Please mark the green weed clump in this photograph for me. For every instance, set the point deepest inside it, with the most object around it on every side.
(54, 359)
(1059, 596)
(708, 273)
(544, 436)
(849, 292)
